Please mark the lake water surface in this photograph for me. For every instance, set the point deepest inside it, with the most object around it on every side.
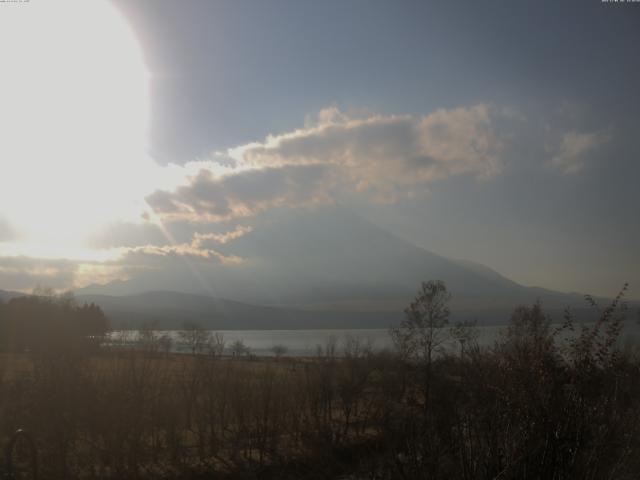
(304, 343)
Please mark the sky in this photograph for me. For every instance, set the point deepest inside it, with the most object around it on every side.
(139, 131)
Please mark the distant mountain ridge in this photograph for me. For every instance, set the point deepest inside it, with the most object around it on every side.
(172, 310)
(331, 269)
(6, 295)
(328, 257)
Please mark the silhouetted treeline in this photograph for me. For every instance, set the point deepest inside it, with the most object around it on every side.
(544, 402)
(46, 322)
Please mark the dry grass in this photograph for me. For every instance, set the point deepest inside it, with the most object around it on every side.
(528, 407)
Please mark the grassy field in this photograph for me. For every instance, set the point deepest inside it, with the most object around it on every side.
(530, 406)
(130, 414)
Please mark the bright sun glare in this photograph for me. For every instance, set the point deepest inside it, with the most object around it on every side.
(73, 119)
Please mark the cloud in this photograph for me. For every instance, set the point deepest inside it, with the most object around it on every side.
(203, 239)
(462, 140)
(24, 273)
(7, 232)
(570, 155)
(187, 250)
(377, 156)
(208, 198)
(127, 234)
(96, 273)
(390, 152)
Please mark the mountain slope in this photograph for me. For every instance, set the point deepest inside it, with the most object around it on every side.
(329, 266)
(6, 295)
(334, 255)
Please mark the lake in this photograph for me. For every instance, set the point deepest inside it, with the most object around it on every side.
(302, 343)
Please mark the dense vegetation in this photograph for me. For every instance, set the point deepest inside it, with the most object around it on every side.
(544, 402)
(44, 322)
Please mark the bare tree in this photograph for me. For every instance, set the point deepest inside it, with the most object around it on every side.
(148, 337)
(357, 347)
(238, 348)
(466, 334)
(329, 351)
(123, 337)
(195, 337)
(421, 334)
(165, 342)
(279, 350)
(217, 344)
